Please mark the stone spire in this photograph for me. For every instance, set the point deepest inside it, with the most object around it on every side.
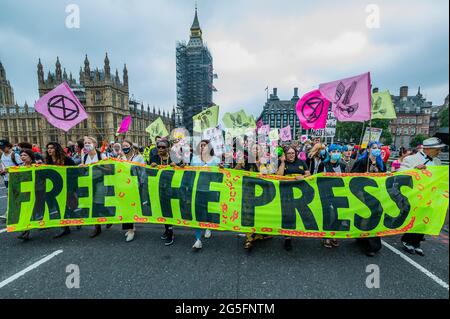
(58, 72)
(107, 68)
(125, 75)
(40, 72)
(87, 69)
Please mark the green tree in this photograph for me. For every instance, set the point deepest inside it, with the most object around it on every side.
(349, 131)
(417, 140)
(443, 117)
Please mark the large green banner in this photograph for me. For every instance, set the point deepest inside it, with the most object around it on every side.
(325, 205)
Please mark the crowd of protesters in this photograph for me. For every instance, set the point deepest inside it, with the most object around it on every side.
(294, 159)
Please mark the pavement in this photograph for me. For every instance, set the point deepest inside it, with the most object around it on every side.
(144, 268)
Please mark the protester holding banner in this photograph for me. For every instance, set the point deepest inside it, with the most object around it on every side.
(204, 157)
(93, 155)
(370, 162)
(315, 159)
(28, 158)
(291, 165)
(55, 155)
(428, 156)
(130, 153)
(251, 163)
(162, 158)
(333, 164)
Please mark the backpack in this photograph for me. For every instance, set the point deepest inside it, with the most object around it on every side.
(99, 155)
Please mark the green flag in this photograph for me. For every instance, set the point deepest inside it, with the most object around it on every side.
(382, 106)
(238, 120)
(209, 118)
(157, 128)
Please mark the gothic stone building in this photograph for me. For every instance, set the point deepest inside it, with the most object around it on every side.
(106, 100)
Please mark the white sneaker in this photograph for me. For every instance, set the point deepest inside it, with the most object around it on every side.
(207, 233)
(198, 244)
(130, 236)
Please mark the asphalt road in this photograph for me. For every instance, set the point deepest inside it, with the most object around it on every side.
(111, 268)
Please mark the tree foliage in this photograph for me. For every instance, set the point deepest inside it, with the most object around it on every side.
(417, 140)
(443, 117)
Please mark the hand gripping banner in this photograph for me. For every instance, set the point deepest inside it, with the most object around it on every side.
(325, 205)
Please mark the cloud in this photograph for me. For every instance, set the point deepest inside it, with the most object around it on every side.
(254, 43)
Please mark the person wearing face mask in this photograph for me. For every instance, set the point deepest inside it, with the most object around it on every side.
(92, 156)
(129, 153)
(291, 165)
(315, 159)
(204, 157)
(370, 162)
(347, 158)
(162, 158)
(333, 164)
(116, 150)
(427, 156)
(28, 159)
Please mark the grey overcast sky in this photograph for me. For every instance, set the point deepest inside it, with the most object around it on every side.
(254, 43)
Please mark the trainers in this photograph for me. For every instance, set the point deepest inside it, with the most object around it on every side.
(419, 251)
(410, 249)
(165, 235)
(130, 236)
(207, 233)
(197, 245)
(370, 254)
(65, 231)
(169, 240)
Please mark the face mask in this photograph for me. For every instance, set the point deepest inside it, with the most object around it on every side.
(322, 153)
(88, 147)
(126, 150)
(375, 152)
(336, 156)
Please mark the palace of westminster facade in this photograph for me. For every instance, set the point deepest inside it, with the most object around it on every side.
(104, 95)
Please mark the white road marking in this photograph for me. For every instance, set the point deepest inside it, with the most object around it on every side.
(436, 279)
(29, 268)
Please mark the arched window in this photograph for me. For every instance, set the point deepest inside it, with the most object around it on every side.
(98, 97)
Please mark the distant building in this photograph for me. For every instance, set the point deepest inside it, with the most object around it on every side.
(281, 113)
(104, 95)
(435, 123)
(413, 117)
(194, 66)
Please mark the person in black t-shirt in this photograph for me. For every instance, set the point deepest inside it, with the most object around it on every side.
(291, 165)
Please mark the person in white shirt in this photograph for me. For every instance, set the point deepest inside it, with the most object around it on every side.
(427, 156)
(205, 157)
(130, 153)
(91, 156)
(8, 158)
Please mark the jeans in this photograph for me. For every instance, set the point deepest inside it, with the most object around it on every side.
(198, 233)
(6, 184)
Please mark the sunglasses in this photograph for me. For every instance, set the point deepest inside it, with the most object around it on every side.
(162, 147)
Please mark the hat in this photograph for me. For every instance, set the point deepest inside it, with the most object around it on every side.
(432, 142)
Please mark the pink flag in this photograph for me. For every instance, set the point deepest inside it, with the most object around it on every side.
(285, 133)
(61, 107)
(312, 110)
(350, 97)
(125, 125)
(264, 129)
(259, 123)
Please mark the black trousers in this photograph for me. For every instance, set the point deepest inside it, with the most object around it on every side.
(412, 239)
(372, 244)
(127, 226)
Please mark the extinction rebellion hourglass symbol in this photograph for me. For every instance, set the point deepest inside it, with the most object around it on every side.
(63, 108)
